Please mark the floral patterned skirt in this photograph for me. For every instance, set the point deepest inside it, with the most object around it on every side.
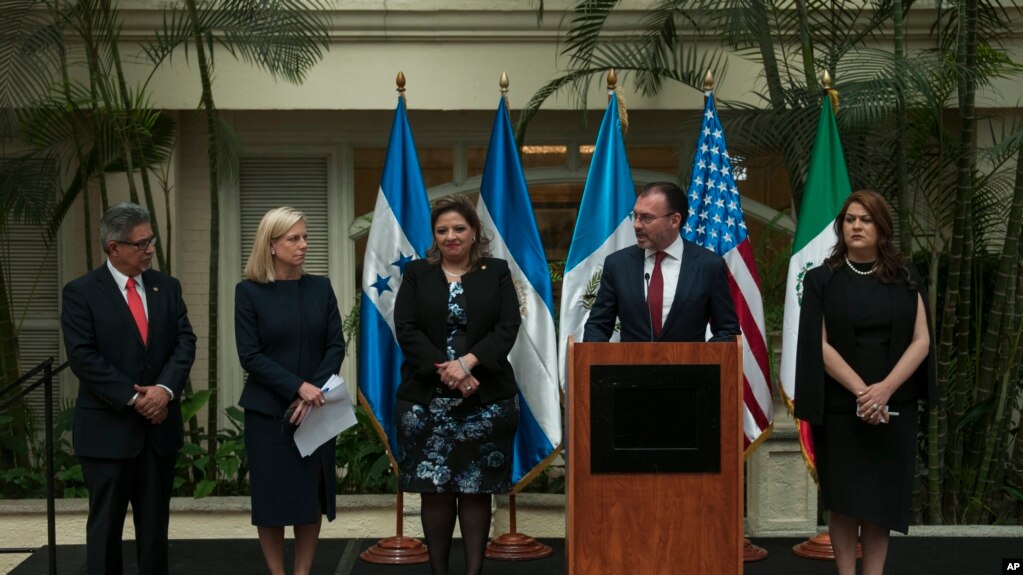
(456, 445)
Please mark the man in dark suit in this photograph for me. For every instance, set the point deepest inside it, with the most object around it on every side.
(128, 340)
(687, 284)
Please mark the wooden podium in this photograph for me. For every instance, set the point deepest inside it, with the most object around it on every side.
(654, 458)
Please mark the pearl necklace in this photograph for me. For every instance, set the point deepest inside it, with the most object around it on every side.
(869, 272)
(454, 275)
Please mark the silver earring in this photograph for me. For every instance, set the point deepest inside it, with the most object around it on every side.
(273, 252)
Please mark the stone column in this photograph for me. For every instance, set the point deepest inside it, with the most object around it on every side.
(781, 496)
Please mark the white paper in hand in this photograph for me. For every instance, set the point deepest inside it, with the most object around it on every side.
(326, 422)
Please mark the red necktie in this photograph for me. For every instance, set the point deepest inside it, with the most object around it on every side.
(655, 294)
(135, 305)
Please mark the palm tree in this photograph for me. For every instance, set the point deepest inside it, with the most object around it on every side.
(68, 136)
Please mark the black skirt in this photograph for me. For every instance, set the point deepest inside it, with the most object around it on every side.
(287, 489)
(456, 445)
(866, 470)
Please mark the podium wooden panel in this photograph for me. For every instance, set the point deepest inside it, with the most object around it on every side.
(654, 523)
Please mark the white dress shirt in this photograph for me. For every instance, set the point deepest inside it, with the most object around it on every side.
(122, 285)
(671, 266)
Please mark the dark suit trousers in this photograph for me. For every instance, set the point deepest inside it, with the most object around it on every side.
(144, 480)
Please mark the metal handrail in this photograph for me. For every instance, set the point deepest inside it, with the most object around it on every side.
(46, 380)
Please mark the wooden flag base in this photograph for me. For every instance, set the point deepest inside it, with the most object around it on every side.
(516, 547)
(819, 547)
(751, 552)
(396, 551)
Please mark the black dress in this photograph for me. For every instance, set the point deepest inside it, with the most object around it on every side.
(866, 471)
(287, 332)
(456, 444)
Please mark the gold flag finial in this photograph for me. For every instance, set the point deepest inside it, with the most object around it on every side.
(708, 82)
(612, 79)
(400, 80)
(504, 83)
(829, 91)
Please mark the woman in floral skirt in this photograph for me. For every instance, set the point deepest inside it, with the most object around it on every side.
(456, 316)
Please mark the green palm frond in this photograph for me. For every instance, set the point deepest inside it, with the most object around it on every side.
(26, 189)
(28, 58)
(682, 64)
(284, 37)
(1007, 138)
(588, 18)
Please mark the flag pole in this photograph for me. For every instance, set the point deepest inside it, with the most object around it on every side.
(819, 545)
(397, 550)
(514, 546)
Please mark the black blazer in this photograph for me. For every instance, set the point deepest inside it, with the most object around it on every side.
(420, 320)
(106, 352)
(823, 302)
(702, 296)
(287, 332)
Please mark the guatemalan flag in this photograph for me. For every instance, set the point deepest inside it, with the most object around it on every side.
(399, 234)
(715, 222)
(507, 214)
(603, 227)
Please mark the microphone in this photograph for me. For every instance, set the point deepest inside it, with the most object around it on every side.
(649, 316)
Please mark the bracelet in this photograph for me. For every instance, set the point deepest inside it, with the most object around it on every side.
(465, 368)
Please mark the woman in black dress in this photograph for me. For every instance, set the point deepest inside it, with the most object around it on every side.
(862, 365)
(456, 316)
(288, 332)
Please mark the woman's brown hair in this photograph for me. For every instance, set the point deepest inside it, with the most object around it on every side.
(891, 264)
(461, 205)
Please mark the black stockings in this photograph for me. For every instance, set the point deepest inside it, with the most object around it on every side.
(473, 513)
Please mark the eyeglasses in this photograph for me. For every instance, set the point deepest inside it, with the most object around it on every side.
(647, 219)
(141, 245)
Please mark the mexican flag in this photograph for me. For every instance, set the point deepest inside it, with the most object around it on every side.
(827, 187)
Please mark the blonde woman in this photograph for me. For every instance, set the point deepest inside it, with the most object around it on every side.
(288, 331)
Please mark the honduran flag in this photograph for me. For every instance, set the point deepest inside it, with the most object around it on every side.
(506, 213)
(604, 226)
(400, 233)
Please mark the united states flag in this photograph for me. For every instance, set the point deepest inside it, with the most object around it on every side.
(715, 222)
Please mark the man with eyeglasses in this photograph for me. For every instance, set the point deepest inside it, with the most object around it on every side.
(130, 344)
(664, 288)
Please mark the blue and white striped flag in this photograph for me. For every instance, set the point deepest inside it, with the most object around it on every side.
(399, 234)
(603, 227)
(507, 214)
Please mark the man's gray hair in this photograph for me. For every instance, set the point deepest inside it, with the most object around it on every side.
(119, 221)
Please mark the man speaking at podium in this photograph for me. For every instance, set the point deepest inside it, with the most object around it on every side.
(663, 289)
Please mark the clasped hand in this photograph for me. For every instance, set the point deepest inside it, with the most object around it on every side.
(151, 403)
(454, 377)
(872, 404)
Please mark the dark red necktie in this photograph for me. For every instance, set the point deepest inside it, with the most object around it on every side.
(135, 305)
(655, 294)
